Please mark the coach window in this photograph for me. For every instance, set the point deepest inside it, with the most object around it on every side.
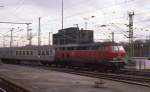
(31, 52)
(50, 51)
(47, 52)
(39, 52)
(20, 52)
(28, 53)
(23, 53)
(16, 52)
(43, 52)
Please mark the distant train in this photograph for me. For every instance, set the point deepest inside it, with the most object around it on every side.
(103, 56)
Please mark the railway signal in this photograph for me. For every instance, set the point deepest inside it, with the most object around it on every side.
(131, 44)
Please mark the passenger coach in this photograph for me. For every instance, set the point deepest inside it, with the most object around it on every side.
(32, 54)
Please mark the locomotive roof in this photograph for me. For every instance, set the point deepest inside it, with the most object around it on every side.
(66, 45)
(91, 44)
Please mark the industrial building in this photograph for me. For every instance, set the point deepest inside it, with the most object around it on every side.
(73, 35)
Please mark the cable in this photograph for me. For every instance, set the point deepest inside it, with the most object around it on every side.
(87, 11)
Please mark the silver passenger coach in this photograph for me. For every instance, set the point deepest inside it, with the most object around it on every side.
(42, 54)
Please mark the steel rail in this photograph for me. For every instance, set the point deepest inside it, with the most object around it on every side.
(130, 79)
(2, 90)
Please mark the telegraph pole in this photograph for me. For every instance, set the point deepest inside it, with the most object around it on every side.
(11, 37)
(39, 32)
(85, 23)
(113, 37)
(49, 41)
(62, 22)
(62, 12)
(3, 41)
(29, 38)
(27, 31)
(131, 44)
(11, 40)
(149, 46)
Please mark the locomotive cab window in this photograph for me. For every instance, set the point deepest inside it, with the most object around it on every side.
(118, 48)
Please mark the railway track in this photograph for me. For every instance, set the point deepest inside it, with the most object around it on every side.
(10, 85)
(135, 72)
(5, 88)
(130, 78)
(2, 90)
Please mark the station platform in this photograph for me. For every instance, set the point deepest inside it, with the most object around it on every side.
(52, 81)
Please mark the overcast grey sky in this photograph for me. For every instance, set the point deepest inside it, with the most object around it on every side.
(75, 11)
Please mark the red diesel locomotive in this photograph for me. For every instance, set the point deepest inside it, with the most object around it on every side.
(103, 56)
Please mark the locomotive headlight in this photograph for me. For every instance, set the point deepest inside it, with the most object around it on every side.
(114, 59)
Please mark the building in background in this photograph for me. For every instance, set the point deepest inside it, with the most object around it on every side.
(73, 35)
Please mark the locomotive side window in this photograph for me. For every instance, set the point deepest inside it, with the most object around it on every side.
(65, 48)
(69, 48)
(101, 48)
(47, 52)
(67, 55)
(90, 48)
(63, 55)
(81, 48)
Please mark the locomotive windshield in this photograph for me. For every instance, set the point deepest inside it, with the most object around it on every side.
(118, 48)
